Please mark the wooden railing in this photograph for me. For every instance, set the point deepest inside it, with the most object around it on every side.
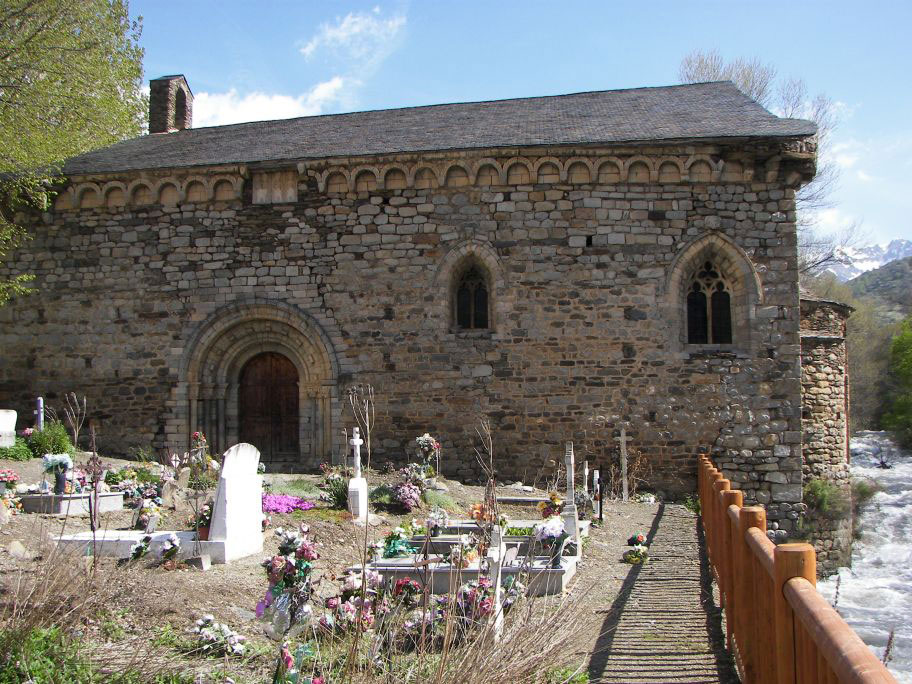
(779, 628)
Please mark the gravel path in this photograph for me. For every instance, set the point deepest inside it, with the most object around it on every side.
(663, 625)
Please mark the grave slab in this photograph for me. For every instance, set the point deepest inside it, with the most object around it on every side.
(70, 504)
(237, 519)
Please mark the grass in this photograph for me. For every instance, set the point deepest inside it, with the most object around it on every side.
(434, 498)
(301, 487)
(48, 655)
(330, 515)
(566, 675)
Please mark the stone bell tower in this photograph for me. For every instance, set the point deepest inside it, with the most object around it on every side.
(170, 104)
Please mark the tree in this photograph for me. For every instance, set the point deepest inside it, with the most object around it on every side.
(70, 81)
(898, 417)
(788, 98)
(868, 345)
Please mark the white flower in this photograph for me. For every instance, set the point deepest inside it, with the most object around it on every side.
(551, 528)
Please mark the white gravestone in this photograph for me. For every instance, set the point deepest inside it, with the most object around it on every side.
(357, 486)
(586, 477)
(623, 439)
(237, 514)
(569, 514)
(7, 428)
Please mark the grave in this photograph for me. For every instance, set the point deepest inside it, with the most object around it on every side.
(237, 519)
(357, 486)
(7, 428)
(70, 504)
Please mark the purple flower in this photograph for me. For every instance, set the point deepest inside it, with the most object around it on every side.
(284, 503)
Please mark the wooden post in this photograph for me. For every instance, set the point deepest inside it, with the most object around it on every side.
(720, 485)
(730, 539)
(751, 640)
(791, 560)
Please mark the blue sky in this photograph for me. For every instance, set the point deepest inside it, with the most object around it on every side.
(259, 60)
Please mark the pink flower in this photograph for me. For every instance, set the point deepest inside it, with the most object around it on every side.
(286, 657)
(332, 603)
(27, 432)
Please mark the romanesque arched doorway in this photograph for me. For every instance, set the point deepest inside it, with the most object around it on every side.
(265, 373)
(268, 407)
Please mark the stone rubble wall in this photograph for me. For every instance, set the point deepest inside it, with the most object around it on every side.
(824, 383)
(583, 323)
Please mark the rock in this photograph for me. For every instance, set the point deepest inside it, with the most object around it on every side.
(17, 550)
(202, 562)
(440, 487)
(372, 519)
(183, 477)
(5, 515)
(169, 494)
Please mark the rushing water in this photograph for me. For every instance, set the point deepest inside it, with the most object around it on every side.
(875, 594)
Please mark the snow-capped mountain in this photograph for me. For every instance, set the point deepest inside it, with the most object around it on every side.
(857, 260)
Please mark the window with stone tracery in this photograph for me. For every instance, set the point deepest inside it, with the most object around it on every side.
(471, 300)
(709, 313)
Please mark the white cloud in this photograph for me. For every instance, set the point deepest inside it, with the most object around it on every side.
(365, 39)
(216, 109)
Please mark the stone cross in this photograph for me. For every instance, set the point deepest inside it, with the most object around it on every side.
(237, 513)
(39, 413)
(569, 514)
(357, 486)
(586, 477)
(568, 461)
(355, 442)
(622, 440)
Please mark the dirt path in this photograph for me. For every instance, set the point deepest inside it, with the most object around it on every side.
(662, 625)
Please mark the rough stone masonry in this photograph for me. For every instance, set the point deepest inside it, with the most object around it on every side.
(540, 261)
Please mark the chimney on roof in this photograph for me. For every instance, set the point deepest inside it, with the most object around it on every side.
(170, 104)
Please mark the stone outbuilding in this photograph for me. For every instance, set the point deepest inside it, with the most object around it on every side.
(627, 256)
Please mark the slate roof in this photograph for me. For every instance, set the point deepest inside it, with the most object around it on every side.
(684, 112)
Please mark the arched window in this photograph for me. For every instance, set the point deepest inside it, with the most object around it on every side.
(709, 315)
(471, 300)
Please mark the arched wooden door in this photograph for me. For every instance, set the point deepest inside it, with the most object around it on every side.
(268, 402)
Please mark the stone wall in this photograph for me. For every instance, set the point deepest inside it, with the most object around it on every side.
(825, 413)
(587, 254)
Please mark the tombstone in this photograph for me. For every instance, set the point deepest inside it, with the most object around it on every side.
(623, 439)
(39, 414)
(586, 477)
(237, 513)
(169, 494)
(569, 514)
(357, 486)
(7, 428)
(152, 525)
(497, 552)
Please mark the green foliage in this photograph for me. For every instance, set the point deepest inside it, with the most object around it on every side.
(898, 417)
(201, 481)
(382, 496)
(71, 77)
(566, 675)
(146, 476)
(823, 497)
(863, 491)
(53, 439)
(434, 498)
(46, 656)
(18, 452)
(518, 531)
(692, 504)
(868, 345)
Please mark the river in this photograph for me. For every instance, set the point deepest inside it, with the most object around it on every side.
(875, 594)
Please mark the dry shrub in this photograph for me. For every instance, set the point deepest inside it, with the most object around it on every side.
(65, 591)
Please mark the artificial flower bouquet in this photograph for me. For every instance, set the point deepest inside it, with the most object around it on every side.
(553, 506)
(397, 543)
(56, 462)
(8, 477)
(437, 519)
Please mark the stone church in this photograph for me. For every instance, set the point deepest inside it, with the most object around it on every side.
(564, 265)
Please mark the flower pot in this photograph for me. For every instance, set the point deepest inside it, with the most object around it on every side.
(59, 481)
(557, 549)
(202, 533)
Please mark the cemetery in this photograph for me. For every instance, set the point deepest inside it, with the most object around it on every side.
(507, 562)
